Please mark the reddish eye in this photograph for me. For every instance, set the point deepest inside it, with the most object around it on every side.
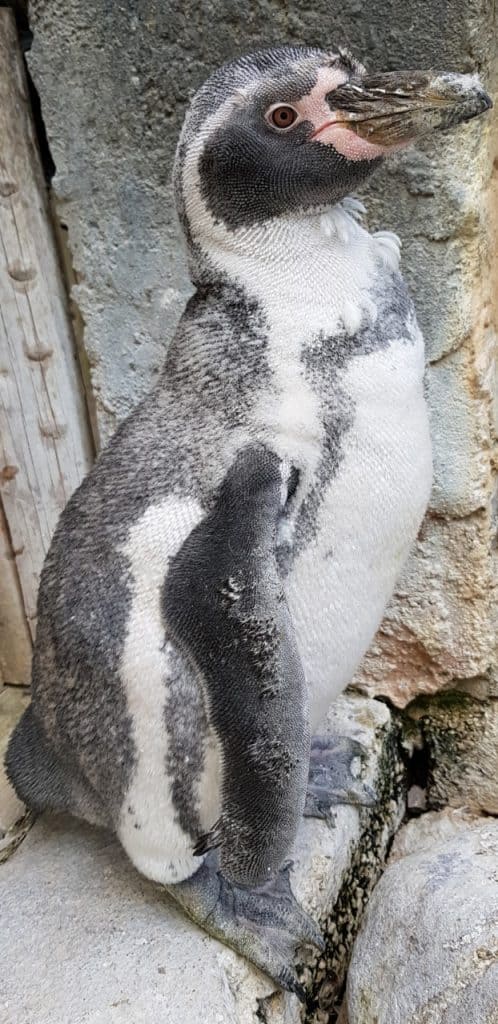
(283, 116)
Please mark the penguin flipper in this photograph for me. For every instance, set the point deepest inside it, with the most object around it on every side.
(224, 606)
(265, 924)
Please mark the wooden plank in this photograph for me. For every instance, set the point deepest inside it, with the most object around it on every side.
(14, 822)
(45, 446)
(15, 640)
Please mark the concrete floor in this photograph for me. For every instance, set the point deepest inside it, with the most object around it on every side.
(86, 940)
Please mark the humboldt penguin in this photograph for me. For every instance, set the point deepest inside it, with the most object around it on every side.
(217, 577)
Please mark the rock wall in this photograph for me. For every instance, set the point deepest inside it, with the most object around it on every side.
(114, 81)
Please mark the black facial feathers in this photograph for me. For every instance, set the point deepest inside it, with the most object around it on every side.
(248, 172)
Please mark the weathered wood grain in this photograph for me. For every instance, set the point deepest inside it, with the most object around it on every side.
(15, 640)
(13, 701)
(45, 446)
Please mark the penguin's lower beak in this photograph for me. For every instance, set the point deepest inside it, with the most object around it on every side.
(391, 110)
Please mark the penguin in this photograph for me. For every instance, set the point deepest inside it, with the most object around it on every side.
(217, 577)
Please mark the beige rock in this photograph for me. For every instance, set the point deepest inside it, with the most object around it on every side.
(441, 623)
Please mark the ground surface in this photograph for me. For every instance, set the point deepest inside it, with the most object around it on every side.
(86, 940)
(102, 944)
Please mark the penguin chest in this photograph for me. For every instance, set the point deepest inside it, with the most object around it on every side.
(367, 509)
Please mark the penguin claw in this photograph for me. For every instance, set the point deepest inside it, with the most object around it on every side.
(209, 841)
(288, 980)
(332, 780)
(311, 936)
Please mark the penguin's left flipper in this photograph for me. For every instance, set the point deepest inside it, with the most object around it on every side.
(265, 924)
(334, 776)
(224, 606)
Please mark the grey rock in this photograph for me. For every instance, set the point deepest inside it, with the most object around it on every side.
(427, 951)
(420, 834)
(86, 940)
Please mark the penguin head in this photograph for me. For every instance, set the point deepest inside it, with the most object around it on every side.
(291, 131)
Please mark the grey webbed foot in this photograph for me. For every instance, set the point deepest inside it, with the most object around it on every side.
(263, 924)
(335, 765)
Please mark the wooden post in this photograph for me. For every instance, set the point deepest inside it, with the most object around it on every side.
(45, 444)
(15, 640)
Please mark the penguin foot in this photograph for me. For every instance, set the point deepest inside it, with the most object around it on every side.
(264, 924)
(334, 777)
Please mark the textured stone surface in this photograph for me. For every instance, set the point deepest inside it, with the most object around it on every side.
(119, 951)
(114, 82)
(460, 738)
(420, 834)
(427, 952)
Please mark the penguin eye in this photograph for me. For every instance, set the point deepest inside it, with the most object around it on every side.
(282, 116)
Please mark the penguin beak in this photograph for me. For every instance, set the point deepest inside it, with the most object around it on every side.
(392, 110)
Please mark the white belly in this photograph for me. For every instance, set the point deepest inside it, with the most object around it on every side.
(149, 829)
(340, 584)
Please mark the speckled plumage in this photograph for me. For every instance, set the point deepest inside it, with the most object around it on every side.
(290, 297)
(216, 579)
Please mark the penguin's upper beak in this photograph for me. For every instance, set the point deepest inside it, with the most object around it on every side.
(393, 109)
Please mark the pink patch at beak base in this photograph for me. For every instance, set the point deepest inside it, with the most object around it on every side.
(346, 142)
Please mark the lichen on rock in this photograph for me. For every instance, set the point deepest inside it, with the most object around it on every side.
(460, 737)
